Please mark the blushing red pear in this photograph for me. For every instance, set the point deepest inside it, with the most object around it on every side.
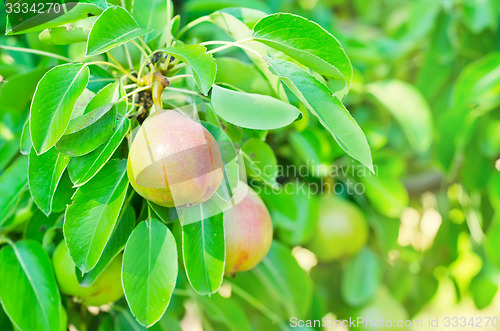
(174, 161)
(248, 230)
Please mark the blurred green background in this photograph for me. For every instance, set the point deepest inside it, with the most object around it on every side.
(426, 91)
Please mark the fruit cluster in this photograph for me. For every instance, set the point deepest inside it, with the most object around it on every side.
(175, 162)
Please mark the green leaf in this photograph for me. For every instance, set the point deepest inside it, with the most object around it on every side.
(12, 183)
(26, 144)
(52, 106)
(295, 215)
(19, 214)
(85, 120)
(455, 130)
(329, 109)
(260, 160)
(107, 95)
(99, 78)
(169, 31)
(409, 108)
(203, 247)
(226, 311)
(87, 132)
(5, 323)
(94, 125)
(44, 173)
(278, 282)
(253, 111)
(39, 224)
(237, 30)
(11, 127)
(306, 42)
(282, 272)
(386, 193)
(312, 148)
(82, 102)
(492, 237)
(113, 28)
(478, 85)
(64, 193)
(361, 278)
(82, 169)
(436, 68)
(68, 34)
(122, 321)
(91, 218)
(149, 271)
(484, 286)
(123, 228)
(247, 15)
(122, 107)
(202, 64)
(227, 149)
(480, 15)
(23, 87)
(232, 26)
(165, 214)
(248, 79)
(8, 152)
(212, 5)
(228, 154)
(28, 289)
(151, 15)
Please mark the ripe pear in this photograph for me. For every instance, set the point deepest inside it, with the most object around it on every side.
(248, 230)
(174, 161)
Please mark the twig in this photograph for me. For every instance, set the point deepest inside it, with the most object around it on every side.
(258, 305)
(181, 90)
(179, 77)
(129, 59)
(121, 68)
(133, 92)
(35, 51)
(145, 45)
(136, 44)
(192, 24)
